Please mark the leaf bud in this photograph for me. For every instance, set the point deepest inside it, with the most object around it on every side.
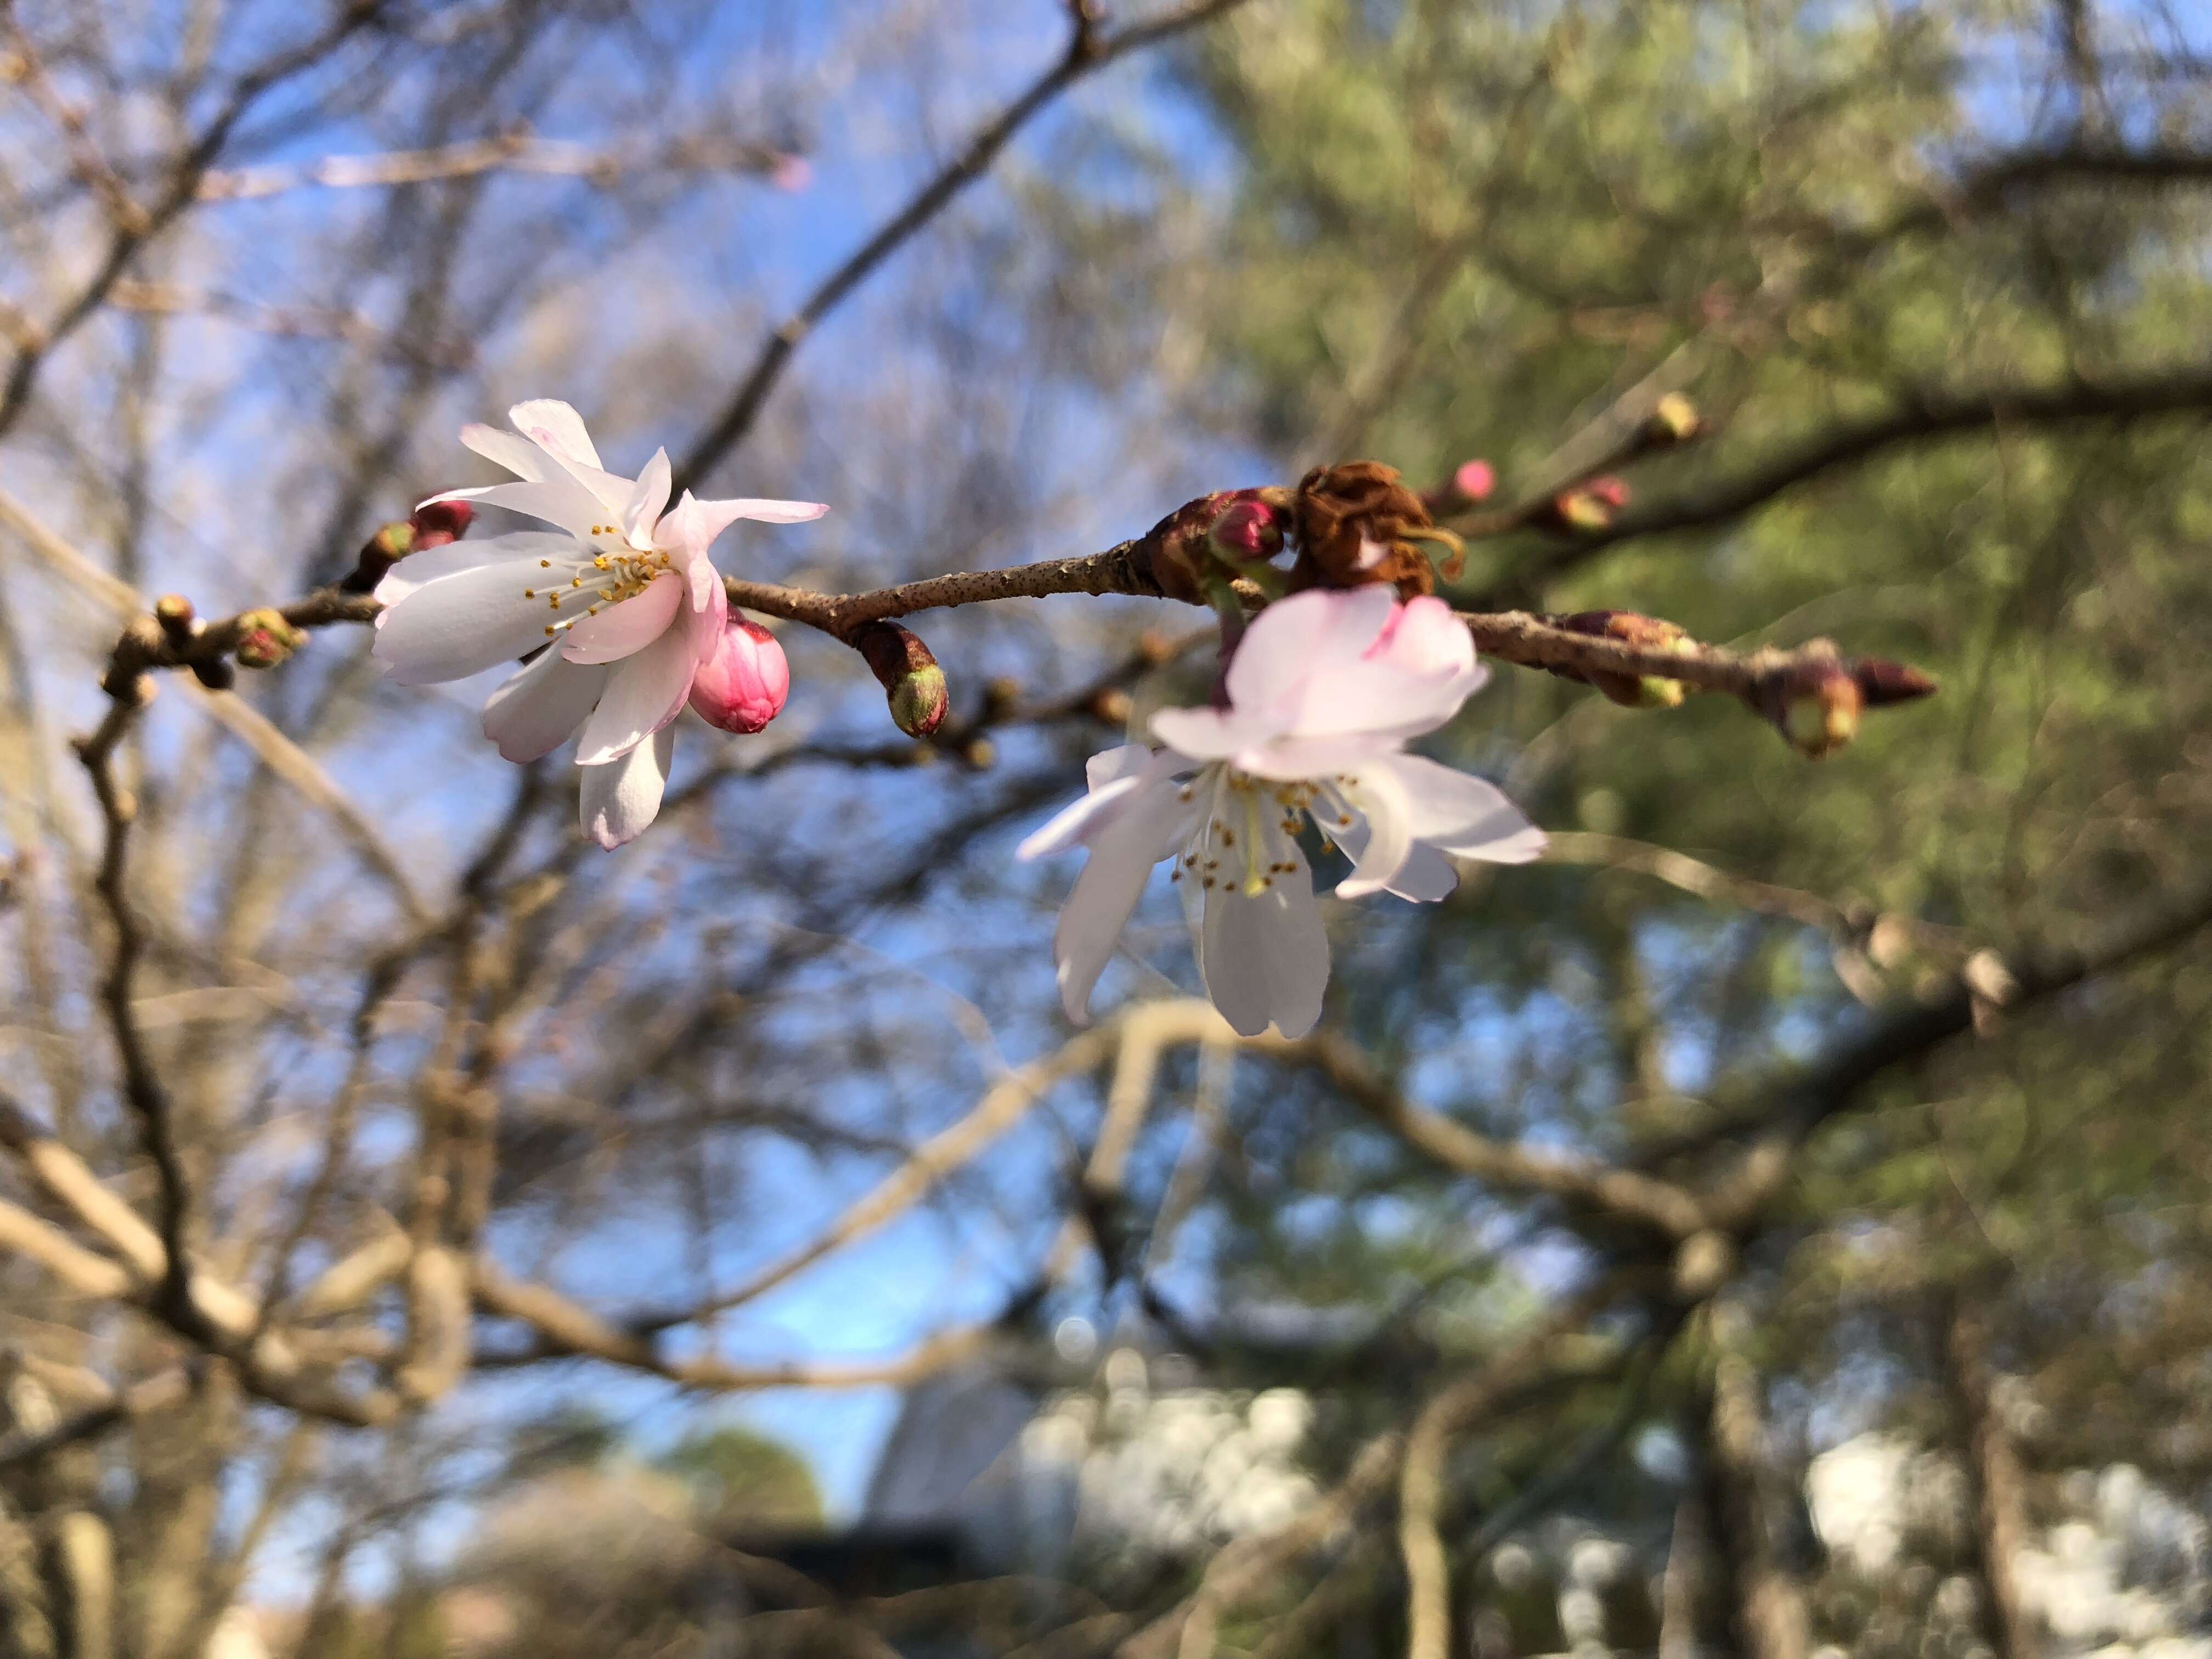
(914, 685)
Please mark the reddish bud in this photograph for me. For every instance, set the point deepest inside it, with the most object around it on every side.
(266, 638)
(1475, 479)
(1247, 532)
(914, 685)
(744, 684)
(1882, 682)
(436, 523)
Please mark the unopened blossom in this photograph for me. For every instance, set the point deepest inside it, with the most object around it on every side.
(1323, 692)
(743, 686)
(621, 603)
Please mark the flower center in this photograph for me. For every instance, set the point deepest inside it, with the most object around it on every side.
(614, 571)
(1248, 835)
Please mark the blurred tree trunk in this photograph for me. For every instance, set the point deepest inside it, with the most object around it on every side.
(1996, 1483)
(1766, 1603)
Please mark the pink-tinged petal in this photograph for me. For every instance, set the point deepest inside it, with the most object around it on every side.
(520, 456)
(682, 533)
(1422, 637)
(645, 692)
(1467, 816)
(719, 516)
(1265, 956)
(616, 802)
(419, 570)
(1152, 820)
(1296, 639)
(1378, 797)
(557, 501)
(628, 627)
(556, 428)
(462, 624)
(1212, 734)
(536, 711)
(648, 498)
(709, 610)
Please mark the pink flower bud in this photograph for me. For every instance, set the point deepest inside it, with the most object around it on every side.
(439, 522)
(1247, 532)
(1475, 479)
(743, 686)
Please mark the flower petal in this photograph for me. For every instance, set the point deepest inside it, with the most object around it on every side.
(462, 624)
(1378, 797)
(520, 456)
(557, 501)
(433, 564)
(1265, 956)
(1212, 734)
(554, 427)
(1116, 776)
(648, 498)
(1422, 637)
(719, 516)
(616, 802)
(1425, 875)
(645, 692)
(1295, 640)
(628, 627)
(1151, 821)
(1467, 816)
(535, 711)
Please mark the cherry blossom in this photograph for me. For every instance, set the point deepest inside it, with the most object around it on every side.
(1323, 692)
(624, 606)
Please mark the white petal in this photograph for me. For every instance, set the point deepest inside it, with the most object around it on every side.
(462, 624)
(1305, 634)
(556, 428)
(557, 501)
(628, 627)
(683, 533)
(1380, 799)
(517, 455)
(617, 801)
(1153, 819)
(649, 497)
(1210, 734)
(719, 516)
(1266, 956)
(535, 711)
(1425, 876)
(1467, 816)
(1422, 637)
(420, 569)
(645, 692)
(1125, 761)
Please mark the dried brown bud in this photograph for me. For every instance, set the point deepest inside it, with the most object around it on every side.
(1358, 524)
(1155, 646)
(1002, 693)
(1111, 706)
(979, 754)
(914, 685)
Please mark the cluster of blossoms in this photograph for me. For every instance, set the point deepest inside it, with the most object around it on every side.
(621, 619)
(624, 609)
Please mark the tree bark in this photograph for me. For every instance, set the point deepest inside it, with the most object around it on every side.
(1766, 1604)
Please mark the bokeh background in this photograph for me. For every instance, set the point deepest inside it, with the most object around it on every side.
(1133, 1372)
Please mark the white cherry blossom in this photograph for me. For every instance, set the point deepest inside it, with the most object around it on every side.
(623, 605)
(1323, 692)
